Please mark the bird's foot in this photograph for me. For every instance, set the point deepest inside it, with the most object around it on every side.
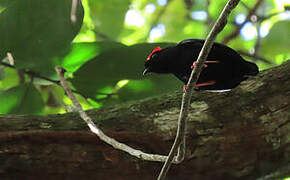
(184, 88)
(205, 63)
(194, 64)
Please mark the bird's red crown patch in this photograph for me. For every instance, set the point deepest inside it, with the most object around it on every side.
(154, 50)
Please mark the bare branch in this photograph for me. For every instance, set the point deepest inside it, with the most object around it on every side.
(263, 18)
(73, 12)
(96, 130)
(217, 28)
(31, 73)
(254, 56)
(10, 58)
(37, 75)
(156, 20)
(102, 36)
(236, 32)
(258, 40)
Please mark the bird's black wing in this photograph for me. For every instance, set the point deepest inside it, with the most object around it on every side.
(218, 50)
(217, 47)
(186, 41)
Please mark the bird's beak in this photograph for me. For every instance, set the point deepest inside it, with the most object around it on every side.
(147, 70)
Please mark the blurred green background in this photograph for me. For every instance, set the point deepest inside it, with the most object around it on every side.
(104, 50)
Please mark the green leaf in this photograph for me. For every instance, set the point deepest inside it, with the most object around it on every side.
(6, 3)
(153, 85)
(2, 73)
(36, 31)
(22, 99)
(11, 79)
(112, 66)
(175, 20)
(277, 41)
(216, 7)
(83, 52)
(108, 16)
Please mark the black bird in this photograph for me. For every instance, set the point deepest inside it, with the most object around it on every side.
(223, 69)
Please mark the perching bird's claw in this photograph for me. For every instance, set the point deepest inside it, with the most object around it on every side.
(205, 63)
(184, 88)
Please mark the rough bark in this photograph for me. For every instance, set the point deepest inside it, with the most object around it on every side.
(241, 134)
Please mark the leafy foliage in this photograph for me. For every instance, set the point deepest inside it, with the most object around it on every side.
(85, 51)
(22, 99)
(36, 31)
(104, 14)
(105, 49)
(109, 67)
(278, 33)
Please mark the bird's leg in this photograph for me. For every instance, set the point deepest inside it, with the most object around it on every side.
(199, 85)
(205, 63)
(204, 84)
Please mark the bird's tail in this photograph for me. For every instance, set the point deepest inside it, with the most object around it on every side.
(251, 69)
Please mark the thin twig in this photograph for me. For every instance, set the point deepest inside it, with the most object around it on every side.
(24, 97)
(217, 28)
(102, 36)
(156, 20)
(243, 53)
(21, 76)
(263, 18)
(31, 73)
(96, 130)
(10, 58)
(73, 12)
(245, 5)
(209, 20)
(258, 40)
(36, 75)
(239, 27)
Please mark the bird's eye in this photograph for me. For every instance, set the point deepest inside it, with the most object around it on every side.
(154, 56)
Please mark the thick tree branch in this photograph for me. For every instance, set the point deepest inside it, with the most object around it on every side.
(180, 136)
(241, 134)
